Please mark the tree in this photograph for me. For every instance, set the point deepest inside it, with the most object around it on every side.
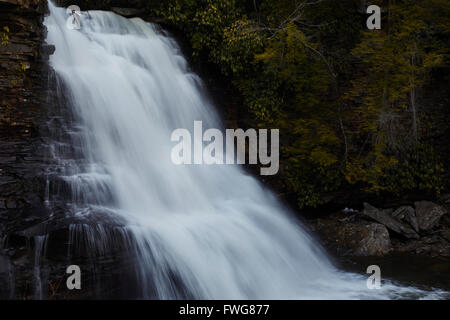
(385, 121)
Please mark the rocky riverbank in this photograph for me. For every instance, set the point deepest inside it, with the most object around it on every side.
(421, 228)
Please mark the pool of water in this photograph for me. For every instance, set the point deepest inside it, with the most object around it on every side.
(408, 270)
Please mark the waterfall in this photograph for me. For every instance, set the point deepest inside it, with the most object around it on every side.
(198, 231)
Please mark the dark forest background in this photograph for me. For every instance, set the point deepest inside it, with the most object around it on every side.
(363, 114)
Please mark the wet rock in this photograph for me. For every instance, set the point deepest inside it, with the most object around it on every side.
(353, 238)
(374, 241)
(11, 203)
(408, 214)
(445, 198)
(127, 12)
(446, 234)
(384, 217)
(47, 49)
(433, 246)
(26, 103)
(428, 214)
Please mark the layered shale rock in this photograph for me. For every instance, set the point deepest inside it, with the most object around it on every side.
(23, 95)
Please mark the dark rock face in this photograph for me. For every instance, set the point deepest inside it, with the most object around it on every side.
(349, 237)
(128, 12)
(24, 109)
(23, 93)
(125, 6)
(428, 214)
(433, 246)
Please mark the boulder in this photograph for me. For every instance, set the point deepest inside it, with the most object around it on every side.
(408, 214)
(384, 217)
(47, 49)
(353, 238)
(428, 214)
(127, 12)
(446, 234)
(374, 241)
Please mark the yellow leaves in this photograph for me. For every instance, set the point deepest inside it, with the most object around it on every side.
(395, 64)
(4, 39)
(371, 169)
(23, 67)
(240, 32)
(282, 70)
(240, 43)
(266, 56)
(354, 171)
(432, 60)
(315, 144)
(263, 104)
(294, 35)
(260, 111)
(322, 157)
(417, 169)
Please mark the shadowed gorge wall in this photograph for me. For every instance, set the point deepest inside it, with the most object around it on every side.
(23, 94)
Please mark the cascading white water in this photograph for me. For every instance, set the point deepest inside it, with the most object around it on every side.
(213, 228)
(39, 251)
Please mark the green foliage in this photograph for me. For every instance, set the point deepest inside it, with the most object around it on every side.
(312, 163)
(261, 96)
(216, 30)
(418, 170)
(241, 43)
(385, 113)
